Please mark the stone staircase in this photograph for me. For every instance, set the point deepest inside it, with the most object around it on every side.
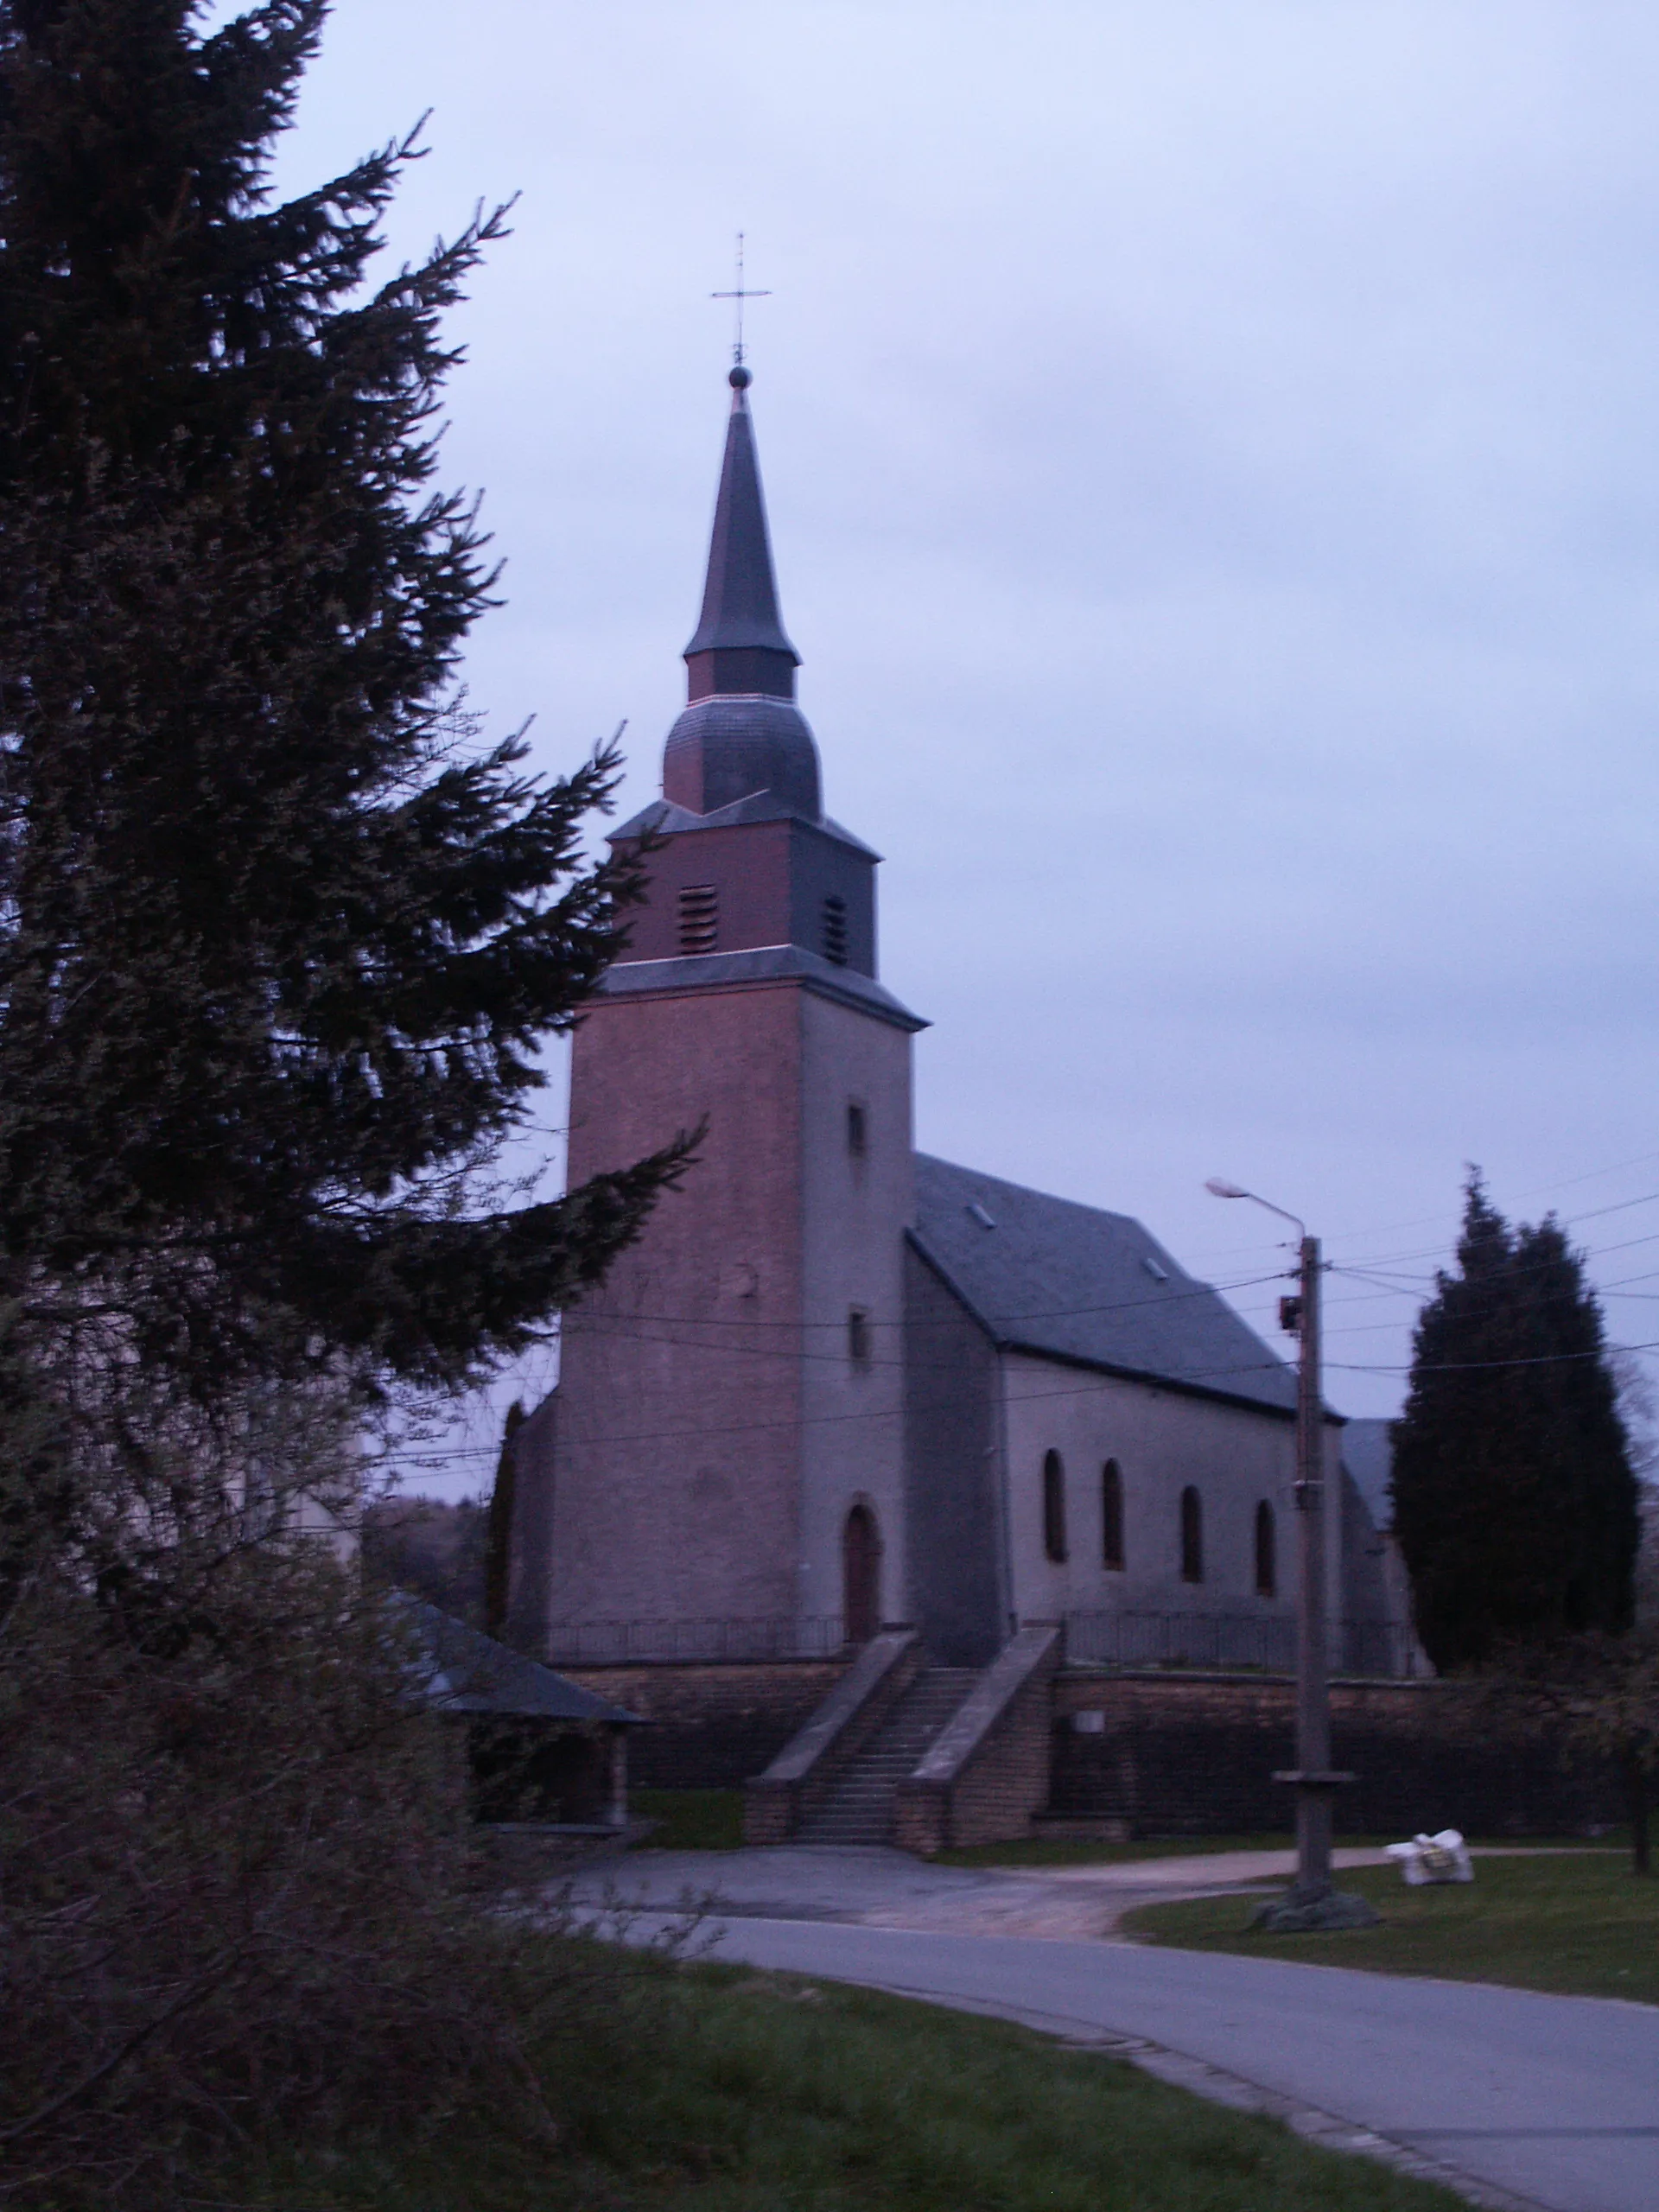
(859, 1809)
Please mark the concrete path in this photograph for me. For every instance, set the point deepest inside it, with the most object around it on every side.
(879, 1888)
(1519, 2100)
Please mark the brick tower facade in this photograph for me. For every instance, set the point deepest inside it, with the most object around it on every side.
(725, 1449)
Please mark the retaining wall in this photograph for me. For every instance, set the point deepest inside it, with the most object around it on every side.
(718, 1723)
(1193, 1755)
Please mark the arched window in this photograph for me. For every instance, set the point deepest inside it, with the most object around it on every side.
(1266, 1563)
(1191, 1535)
(1111, 1514)
(860, 1576)
(1054, 1506)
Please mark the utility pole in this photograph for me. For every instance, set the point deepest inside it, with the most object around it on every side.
(1312, 1775)
(1312, 1902)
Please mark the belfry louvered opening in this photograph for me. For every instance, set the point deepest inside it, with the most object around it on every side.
(699, 918)
(835, 929)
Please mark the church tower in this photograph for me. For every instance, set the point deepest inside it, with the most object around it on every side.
(725, 1450)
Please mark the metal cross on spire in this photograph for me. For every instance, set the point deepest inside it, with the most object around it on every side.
(740, 295)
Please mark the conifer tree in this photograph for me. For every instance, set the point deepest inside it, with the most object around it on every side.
(498, 1547)
(1514, 1500)
(279, 936)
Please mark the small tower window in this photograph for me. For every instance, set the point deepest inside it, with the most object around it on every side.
(1054, 1507)
(1266, 1565)
(858, 1129)
(835, 929)
(699, 918)
(1111, 1516)
(858, 1336)
(1191, 1535)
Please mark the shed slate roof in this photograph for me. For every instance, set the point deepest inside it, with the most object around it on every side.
(472, 1673)
(1069, 1281)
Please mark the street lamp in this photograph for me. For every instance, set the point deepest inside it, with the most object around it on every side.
(1312, 1902)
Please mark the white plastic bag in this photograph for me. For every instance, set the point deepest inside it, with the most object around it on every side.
(1442, 1857)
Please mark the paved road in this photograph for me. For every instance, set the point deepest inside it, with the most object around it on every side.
(1553, 2098)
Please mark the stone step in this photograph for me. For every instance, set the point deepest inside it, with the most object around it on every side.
(859, 1807)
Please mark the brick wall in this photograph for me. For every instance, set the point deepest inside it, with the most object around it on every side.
(669, 1488)
(987, 1774)
(1177, 1755)
(716, 1724)
(998, 1792)
(1192, 1755)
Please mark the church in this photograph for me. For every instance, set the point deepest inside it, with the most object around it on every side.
(839, 1388)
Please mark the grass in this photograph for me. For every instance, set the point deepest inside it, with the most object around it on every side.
(1581, 1925)
(1082, 1851)
(708, 2089)
(691, 1819)
(1076, 1851)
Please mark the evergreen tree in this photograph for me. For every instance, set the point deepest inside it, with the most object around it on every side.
(497, 1548)
(279, 937)
(1514, 1500)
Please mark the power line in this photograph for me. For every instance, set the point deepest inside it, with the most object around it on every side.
(1423, 1220)
(1475, 1366)
(574, 1313)
(592, 1322)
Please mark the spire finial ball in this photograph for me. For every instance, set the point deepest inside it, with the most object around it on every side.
(739, 379)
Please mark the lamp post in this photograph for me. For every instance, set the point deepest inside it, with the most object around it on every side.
(1312, 1902)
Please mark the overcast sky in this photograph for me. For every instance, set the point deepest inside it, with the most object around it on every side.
(1212, 465)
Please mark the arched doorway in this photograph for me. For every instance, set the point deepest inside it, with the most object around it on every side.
(860, 1576)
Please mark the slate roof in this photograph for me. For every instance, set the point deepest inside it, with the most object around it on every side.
(1368, 1454)
(730, 746)
(740, 597)
(668, 820)
(472, 1673)
(764, 963)
(1072, 1282)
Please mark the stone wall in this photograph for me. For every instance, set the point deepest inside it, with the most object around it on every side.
(1193, 1755)
(716, 1724)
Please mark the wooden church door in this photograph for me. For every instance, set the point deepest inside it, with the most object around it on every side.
(860, 1576)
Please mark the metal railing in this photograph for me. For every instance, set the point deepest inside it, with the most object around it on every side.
(1259, 1641)
(1262, 1643)
(609, 1643)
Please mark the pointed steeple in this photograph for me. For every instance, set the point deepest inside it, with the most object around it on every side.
(740, 644)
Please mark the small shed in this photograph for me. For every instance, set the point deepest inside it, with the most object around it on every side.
(543, 1750)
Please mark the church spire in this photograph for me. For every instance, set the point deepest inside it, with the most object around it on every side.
(740, 644)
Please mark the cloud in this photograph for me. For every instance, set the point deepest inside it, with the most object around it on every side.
(1211, 457)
